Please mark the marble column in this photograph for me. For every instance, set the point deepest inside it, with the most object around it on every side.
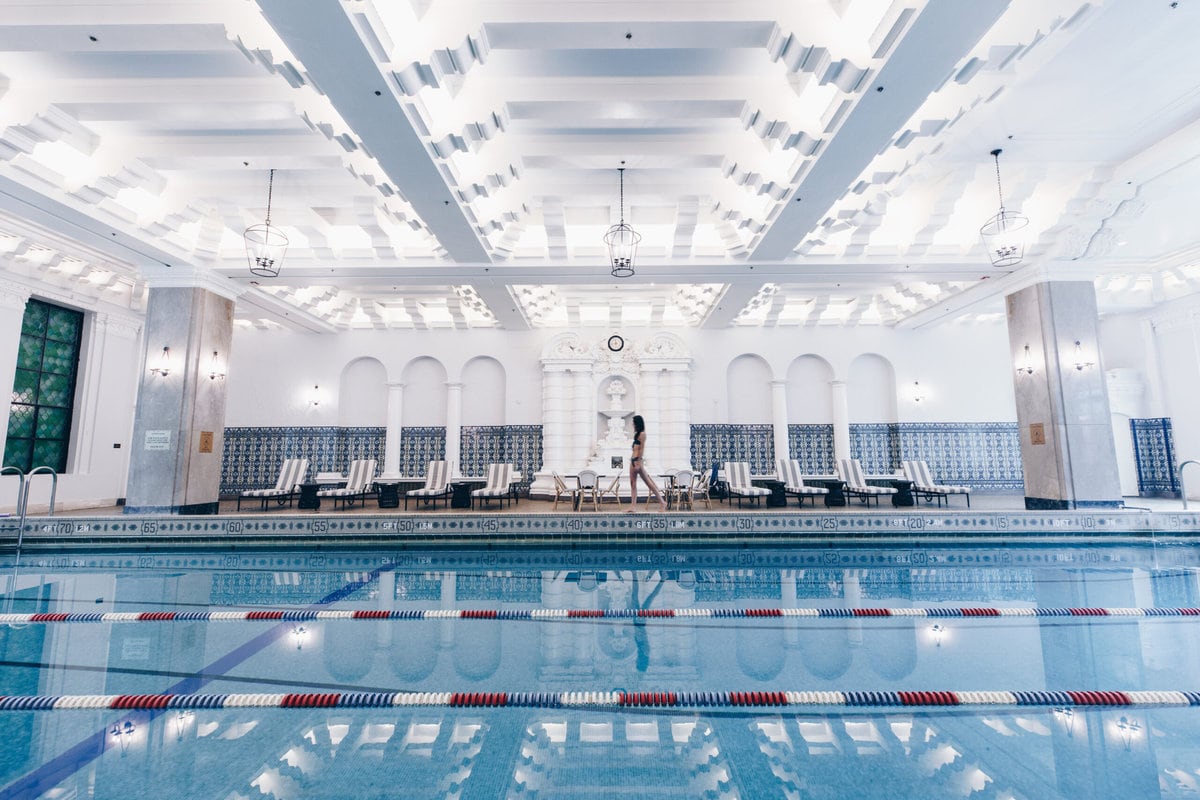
(554, 419)
(391, 446)
(1067, 449)
(841, 420)
(179, 421)
(582, 415)
(679, 415)
(779, 420)
(454, 427)
(13, 297)
(649, 403)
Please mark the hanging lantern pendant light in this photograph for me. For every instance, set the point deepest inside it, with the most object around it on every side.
(622, 240)
(1001, 234)
(265, 245)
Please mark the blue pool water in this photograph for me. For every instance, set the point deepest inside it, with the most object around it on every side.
(718, 750)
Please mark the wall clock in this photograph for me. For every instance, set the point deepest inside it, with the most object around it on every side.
(616, 343)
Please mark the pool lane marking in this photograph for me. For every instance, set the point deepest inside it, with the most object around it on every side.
(310, 614)
(45, 777)
(606, 699)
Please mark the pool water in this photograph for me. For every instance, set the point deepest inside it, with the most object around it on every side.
(509, 674)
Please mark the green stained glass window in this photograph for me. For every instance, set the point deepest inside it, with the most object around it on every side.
(43, 394)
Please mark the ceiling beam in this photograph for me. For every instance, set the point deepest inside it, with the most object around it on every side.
(322, 36)
(943, 33)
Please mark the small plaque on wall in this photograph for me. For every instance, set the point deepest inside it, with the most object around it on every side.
(1037, 433)
(206, 441)
(158, 440)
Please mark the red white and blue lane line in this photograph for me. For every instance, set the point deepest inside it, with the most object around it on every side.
(305, 615)
(609, 700)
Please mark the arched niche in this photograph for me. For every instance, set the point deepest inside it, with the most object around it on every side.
(362, 394)
(424, 382)
(809, 398)
(483, 392)
(871, 389)
(748, 380)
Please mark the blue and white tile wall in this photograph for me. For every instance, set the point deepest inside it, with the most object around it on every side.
(983, 455)
(1154, 452)
(519, 445)
(418, 446)
(720, 443)
(812, 446)
(253, 456)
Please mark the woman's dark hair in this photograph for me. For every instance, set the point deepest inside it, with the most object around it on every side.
(639, 424)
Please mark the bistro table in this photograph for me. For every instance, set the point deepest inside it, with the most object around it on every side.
(309, 500)
(836, 495)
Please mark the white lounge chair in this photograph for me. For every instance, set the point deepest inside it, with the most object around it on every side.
(358, 483)
(291, 475)
(496, 488)
(788, 471)
(851, 471)
(919, 473)
(437, 485)
(737, 473)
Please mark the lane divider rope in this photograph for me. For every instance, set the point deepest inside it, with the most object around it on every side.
(612, 699)
(291, 615)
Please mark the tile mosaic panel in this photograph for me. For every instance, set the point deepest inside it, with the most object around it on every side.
(718, 443)
(253, 456)
(812, 446)
(982, 455)
(418, 446)
(519, 445)
(1154, 452)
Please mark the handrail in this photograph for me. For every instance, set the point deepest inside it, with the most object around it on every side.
(53, 486)
(21, 493)
(1179, 472)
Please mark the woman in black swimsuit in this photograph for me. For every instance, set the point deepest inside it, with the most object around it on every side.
(637, 466)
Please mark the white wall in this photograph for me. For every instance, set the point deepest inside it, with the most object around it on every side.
(964, 370)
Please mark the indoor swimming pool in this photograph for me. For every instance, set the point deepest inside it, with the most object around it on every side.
(944, 670)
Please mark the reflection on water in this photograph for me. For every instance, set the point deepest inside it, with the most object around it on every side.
(999, 752)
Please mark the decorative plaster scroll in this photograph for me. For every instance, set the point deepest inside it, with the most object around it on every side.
(13, 295)
(568, 346)
(665, 345)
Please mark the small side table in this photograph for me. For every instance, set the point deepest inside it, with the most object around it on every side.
(460, 496)
(903, 495)
(836, 496)
(388, 493)
(777, 498)
(308, 497)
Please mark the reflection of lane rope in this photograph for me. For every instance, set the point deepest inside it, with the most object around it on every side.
(915, 699)
(584, 613)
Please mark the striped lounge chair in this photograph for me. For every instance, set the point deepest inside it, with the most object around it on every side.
(291, 475)
(437, 485)
(788, 471)
(924, 486)
(851, 471)
(737, 473)
(496, 488)
(359, 482)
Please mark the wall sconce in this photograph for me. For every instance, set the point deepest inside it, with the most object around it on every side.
(123, 732)
(314, 399)
(214, 369)
(299, 634)
(163, 365)
(1026, 363)
(1067, 715)
(917, 395)
(1129, 730)
(1080, 364)
(938, 632)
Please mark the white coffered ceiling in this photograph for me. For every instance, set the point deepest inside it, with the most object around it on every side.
(453, 163)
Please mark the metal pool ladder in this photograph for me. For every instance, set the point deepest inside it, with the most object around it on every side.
(1179, 472)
